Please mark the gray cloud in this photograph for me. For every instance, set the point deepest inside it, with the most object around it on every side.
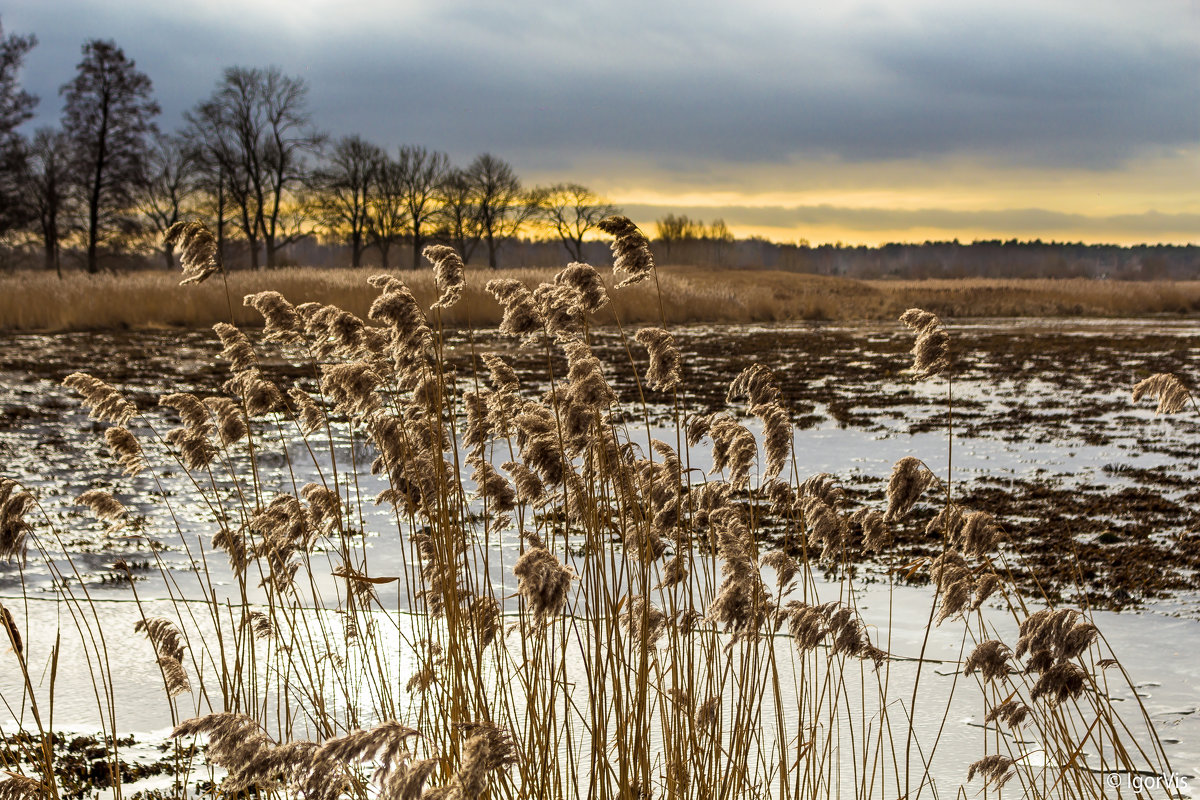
(1087, 85)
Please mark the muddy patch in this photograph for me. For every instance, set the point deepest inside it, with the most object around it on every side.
(1098, 496)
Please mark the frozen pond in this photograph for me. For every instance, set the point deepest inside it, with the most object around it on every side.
(1044, 437)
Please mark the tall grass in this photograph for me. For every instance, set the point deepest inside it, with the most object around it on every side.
(31, 301)
(579, 611)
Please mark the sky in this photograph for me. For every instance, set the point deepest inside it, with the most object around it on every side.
(859, 122)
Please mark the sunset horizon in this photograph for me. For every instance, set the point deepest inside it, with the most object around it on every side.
(870, 124)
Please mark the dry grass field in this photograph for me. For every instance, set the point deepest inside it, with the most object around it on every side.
(39, 301)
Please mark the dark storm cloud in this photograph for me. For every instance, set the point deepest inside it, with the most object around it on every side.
(680, 85)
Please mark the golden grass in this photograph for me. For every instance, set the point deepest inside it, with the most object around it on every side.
(35, 301)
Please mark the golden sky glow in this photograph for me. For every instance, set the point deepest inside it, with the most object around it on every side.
(1147, 200)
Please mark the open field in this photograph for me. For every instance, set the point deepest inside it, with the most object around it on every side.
(39, 301)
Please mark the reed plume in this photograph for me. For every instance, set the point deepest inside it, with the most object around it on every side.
(13, 632)
(196, 451)
(990, 658)
(251, 757)
(449, 273)
(849, 634)
(947, 523)
(124, 447)
(756, 384)
(282, 323)
(503, 376)
(994, 769)
(199, 254)
(1061, 682)
(528, 486)
(386, 743)
(543, 582)
(236, 347)
(168, 648)
(1170, 392)
(985, 586)
(708, 714)
(585, 282)
(560, 310)
(259, 624)
(231, 422)
(909, 480)
(488, 748)
(786, 568)
(324, 507)
(105, 402)
(954, 581)
(1011, 712)
(631, 250)
(931, 352)
(665, 371)
(978, 534)
(102, 504)
(741, 606)
(827, 529)
(823, 486)
(734, 447)
(644, 623)
(396, 306)
(19, 787)
(876, 534)
(807, 625)
(15, 503)
(352, 388)
(309, 415)
(493, 486)
(522, 316)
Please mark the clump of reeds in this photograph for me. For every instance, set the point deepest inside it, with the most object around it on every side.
(1170, 392)
(15, 503)
(199, 254)
(631, 250)
(169, 649)
(931, 351)
(579, 609)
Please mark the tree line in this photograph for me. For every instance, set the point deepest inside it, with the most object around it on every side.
(250, 162)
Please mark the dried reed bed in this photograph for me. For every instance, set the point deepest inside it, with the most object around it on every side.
(648, 636)
(38, 301)
(1042, 297)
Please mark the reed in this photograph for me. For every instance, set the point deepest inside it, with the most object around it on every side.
(579, 611)
(34, 301)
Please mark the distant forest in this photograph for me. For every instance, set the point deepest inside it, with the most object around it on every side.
(98, 192)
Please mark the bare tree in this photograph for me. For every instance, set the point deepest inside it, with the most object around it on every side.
(108, 115)
(421, 174)
(459, 213)
(572, 211)
(673, 230)
(255, 129)
(170, 182)
(344, 192)
(47, 186)
(16, 106)
(501, 206)
(387, 217)
(720, 238)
